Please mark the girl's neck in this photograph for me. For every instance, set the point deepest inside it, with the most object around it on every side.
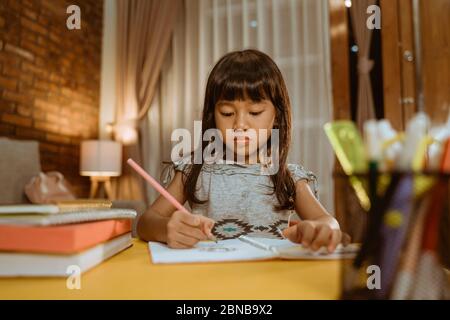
(249, 160)
(255, 158)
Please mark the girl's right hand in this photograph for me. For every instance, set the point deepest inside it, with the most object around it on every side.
(184, 230)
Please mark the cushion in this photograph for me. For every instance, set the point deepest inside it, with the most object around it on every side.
(19, 162)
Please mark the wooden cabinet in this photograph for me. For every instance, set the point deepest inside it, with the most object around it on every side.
(399, 58)
(399, 85)
(435, 30)
(401, 77)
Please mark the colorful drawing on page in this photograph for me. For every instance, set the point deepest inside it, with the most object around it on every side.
(213, 247)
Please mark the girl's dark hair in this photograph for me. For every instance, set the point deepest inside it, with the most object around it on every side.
(240, 75)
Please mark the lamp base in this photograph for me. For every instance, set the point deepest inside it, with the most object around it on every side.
(96, 181)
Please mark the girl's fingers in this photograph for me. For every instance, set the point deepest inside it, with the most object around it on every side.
(207, 225)
(346, 239)
(185, 240)
(322, 237)
(192, 232)
(316, 236)
(190, 219)
(293, 223)
(176, 244)
(336, 237)
(291, 233)
(179, 245)
(306, 233)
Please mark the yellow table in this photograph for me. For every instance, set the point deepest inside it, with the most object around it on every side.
(130, 275)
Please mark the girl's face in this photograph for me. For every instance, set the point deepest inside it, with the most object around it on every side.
(242, 116)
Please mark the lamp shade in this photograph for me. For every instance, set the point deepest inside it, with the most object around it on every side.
(101, 158)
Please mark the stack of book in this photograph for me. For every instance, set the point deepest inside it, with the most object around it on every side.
(48, 240)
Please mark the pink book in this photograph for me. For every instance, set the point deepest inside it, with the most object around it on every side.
(62, 239)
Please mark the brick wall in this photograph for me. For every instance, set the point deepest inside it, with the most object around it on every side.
(49, 79)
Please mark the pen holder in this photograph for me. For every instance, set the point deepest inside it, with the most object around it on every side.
(404, 236)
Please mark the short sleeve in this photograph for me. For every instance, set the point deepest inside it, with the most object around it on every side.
(169, 170)
(299, 173)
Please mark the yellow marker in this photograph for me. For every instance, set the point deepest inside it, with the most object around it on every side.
(393, 219)
(349, 148)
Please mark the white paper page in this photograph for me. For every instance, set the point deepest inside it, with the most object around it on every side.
(224, 250)
(290, 250)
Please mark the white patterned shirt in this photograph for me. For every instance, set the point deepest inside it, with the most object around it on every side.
(241, 199)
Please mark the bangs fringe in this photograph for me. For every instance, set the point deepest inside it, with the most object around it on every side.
(244, 82)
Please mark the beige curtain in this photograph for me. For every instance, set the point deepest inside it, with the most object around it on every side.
(294, 32)
(363, 37)
(144, 30)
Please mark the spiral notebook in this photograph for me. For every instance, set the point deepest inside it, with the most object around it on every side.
(245, 248)
(68, 217)
(59, 207)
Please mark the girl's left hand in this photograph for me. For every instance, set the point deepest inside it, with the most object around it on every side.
(315, 234)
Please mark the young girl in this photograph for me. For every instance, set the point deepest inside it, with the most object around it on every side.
(245, 91)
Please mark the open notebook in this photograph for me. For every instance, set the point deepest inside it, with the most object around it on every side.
(245, 249)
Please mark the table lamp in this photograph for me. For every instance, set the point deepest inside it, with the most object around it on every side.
(100, 160)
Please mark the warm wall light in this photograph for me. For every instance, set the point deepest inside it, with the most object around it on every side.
(126, 133)
(100, 160)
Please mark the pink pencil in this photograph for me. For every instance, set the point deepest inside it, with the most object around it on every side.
(158, 187)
